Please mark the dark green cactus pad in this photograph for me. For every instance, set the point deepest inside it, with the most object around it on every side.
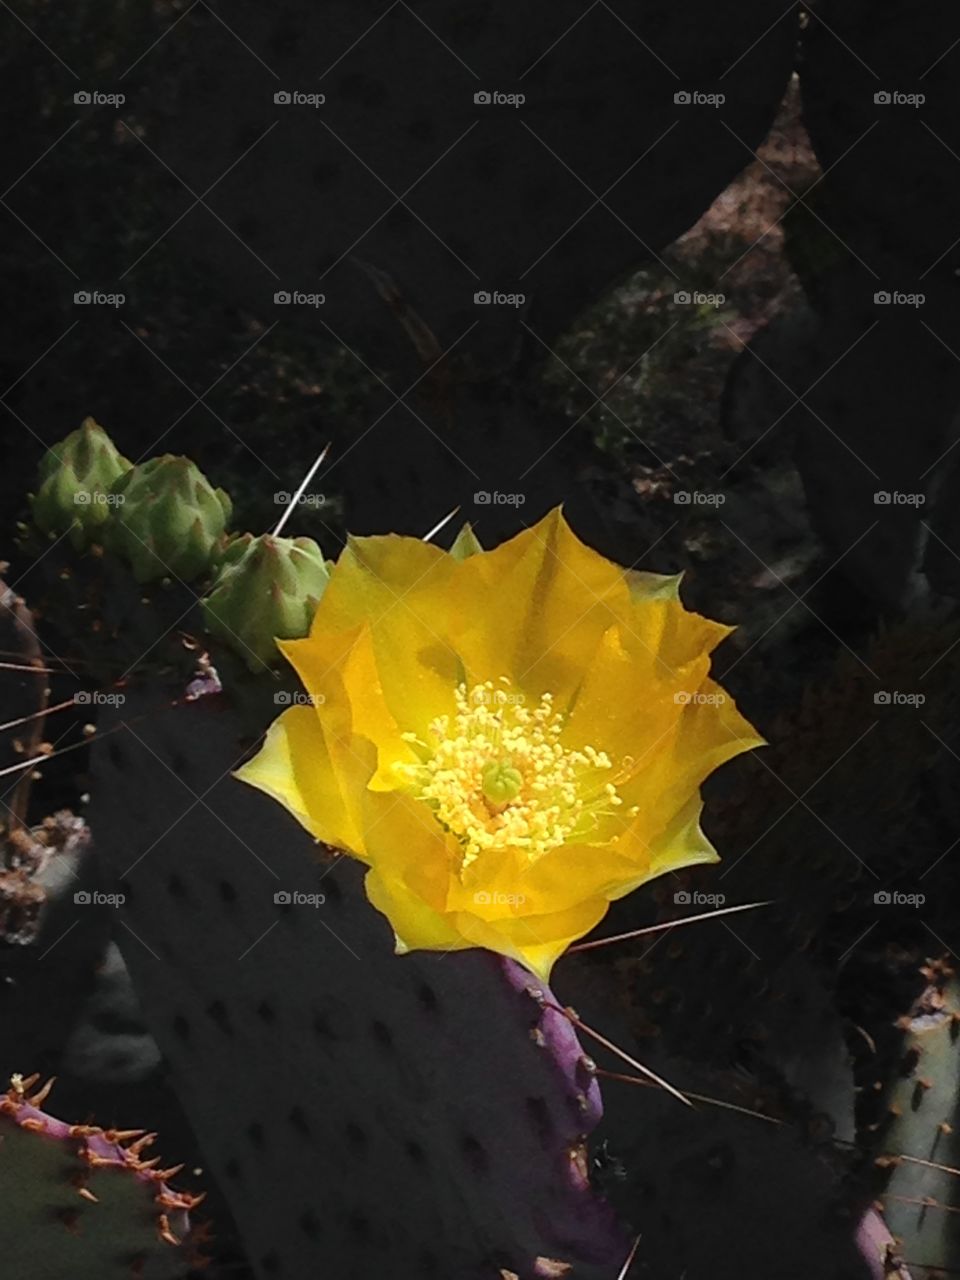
(365, 1113)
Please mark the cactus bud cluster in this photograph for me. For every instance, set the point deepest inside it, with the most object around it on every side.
(164, 518)
(268, 589)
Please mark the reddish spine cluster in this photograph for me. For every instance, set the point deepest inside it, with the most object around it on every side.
(104, 1148)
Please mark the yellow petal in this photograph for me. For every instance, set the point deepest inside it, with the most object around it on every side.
(682, 843)
(535, 608)
(415, 925)
(398, 588)
(294, 767)
(340, 672)
(534, 941)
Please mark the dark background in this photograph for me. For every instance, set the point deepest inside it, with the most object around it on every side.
(806, 199)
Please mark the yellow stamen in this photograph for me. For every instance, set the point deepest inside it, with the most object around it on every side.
(497, 775)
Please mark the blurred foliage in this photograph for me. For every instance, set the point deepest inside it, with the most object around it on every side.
(658, 364)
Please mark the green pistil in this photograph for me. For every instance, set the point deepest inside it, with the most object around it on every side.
(501, 782)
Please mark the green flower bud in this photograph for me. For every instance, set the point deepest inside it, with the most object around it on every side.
(268, 589)
(169, 521)
(74, 482)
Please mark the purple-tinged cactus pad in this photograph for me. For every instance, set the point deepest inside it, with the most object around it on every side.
(81, 1201)
(365, 1113)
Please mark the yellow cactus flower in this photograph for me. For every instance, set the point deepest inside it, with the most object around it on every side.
(509, 739)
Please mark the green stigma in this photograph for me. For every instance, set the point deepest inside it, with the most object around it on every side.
(501, 782)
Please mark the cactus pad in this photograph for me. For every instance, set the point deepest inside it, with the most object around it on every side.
(83, 1201)
(365, 1113)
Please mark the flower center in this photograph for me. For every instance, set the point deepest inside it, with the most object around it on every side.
(497, 776)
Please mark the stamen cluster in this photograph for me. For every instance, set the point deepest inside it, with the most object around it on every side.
(497, 774)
